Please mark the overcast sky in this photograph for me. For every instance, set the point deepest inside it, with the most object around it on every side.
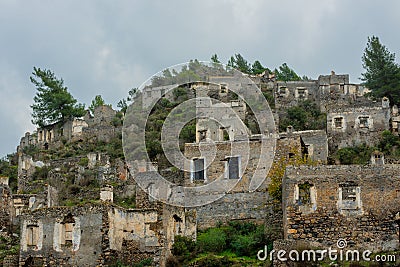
(108, 47)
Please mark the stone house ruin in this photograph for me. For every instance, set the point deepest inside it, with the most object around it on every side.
(325, 203)
(320, 203)
(353, 125)
(98, 125)
(89, 236)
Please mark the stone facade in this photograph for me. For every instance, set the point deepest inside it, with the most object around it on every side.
(327, 92)
(314, 142)
(97, 235)
(357, 203)
(320, 203)
(53, 136)
(354, 125)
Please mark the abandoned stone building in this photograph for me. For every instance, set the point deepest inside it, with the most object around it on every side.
(320, 202)
(97, 235)
(353, 125)
(97, 126)
(328, 91)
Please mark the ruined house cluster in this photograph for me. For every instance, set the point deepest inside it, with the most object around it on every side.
(320, 203)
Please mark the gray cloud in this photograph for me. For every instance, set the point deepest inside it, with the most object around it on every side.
(107, 47)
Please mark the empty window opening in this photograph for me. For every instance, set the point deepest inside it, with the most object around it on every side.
(364, 122)
(233, 168)
(350, 198)
(282, 91)
(302, 93)
(177, 224)
(224, 135)
(32, 235)
(67, 230)
(198, 174)
(349, 192)
(202, 135)
(338, 122)
(305, 194)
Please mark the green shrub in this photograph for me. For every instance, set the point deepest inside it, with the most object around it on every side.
(40, 173)
(214, 240)
(172, 261)
(183, 246)
(83, 161)
(143, 263)
(127, 202)
(30, 150)
(360, 154)
(180, 94)
(214, 261)
(116, 122)
(243, 245)
(305, 116)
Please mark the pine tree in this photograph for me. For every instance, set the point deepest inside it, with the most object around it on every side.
(382, 73)
(52, 102)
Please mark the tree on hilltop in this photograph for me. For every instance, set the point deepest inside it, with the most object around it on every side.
(285, 73)
(382, 73)
(52, 102)
(96, 102)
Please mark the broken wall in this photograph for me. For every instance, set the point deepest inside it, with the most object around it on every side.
(357, 203)
(354, 125)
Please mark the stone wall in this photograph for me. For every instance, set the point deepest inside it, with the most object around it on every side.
(98, 235)
(289, 94)
(357, 203)
(349, 126)
(239, 203)
(102, 115)
(315, 143)
(5, 205)
(53, 136)
(62, 236)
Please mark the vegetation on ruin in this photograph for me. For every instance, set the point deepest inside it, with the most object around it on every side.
(389, 145)
(9, 245)
(52, 102)
(125, 202)
(96, 102)
(232, 244)
(278, 168)
(305, 116)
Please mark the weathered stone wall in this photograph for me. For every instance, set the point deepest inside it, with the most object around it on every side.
(98, 235)
(314, 141)
(5, 205)
(233, 206)
(357, 203)
(349, 126)
(43, 236)
(248, 153)
(289, 94)
(239, 203)
(100, 133)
